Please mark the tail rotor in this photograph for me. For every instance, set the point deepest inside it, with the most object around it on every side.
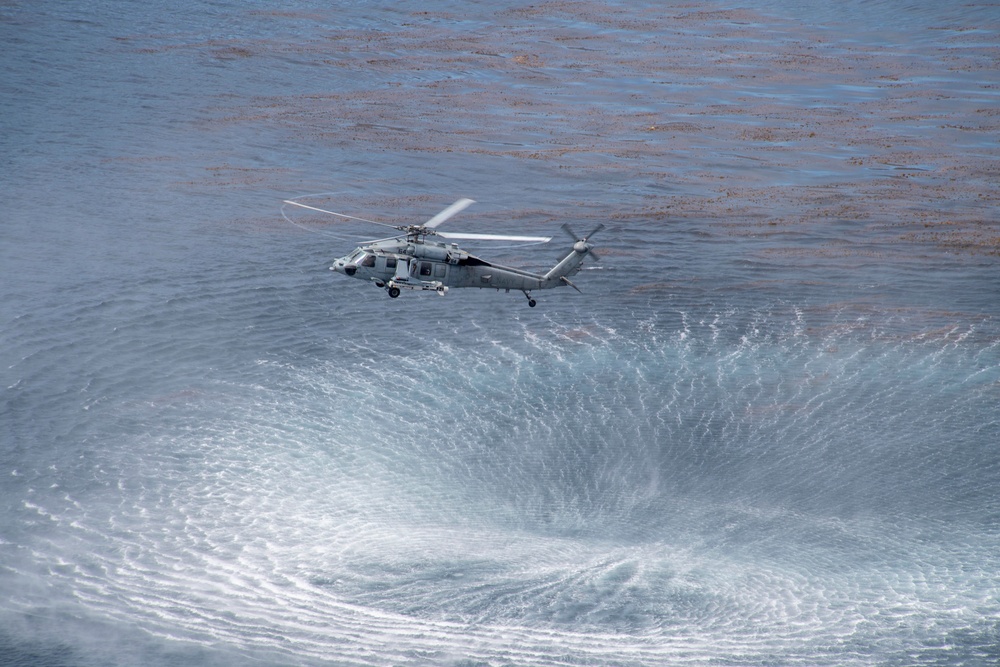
(581, 243)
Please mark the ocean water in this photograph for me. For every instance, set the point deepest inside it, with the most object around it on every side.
(766, 433)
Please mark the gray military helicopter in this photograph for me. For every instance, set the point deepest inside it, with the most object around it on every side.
(413, 261)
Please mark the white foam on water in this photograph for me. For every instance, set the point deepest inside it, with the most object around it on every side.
(680, 497)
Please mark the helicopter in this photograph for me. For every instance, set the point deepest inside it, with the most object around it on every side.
(416, 260)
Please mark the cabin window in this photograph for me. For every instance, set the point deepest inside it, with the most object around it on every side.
(390, 262)
(439, 270)
(425, 268)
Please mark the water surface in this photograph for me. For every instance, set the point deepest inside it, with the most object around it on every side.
(766, 433)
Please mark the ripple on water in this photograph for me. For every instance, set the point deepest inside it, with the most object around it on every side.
(317, 514)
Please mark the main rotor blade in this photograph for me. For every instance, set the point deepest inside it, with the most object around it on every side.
(460, 205)
(494, 237)
(339, 215)
(374, 241)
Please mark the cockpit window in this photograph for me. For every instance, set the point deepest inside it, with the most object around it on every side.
(369, 260)
(355, 255)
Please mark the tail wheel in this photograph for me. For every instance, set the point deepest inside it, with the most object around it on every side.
(532, 303)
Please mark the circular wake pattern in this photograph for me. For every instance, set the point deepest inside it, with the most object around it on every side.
(740, 488)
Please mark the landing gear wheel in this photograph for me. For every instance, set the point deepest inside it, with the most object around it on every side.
(393, 292)
(531, 303)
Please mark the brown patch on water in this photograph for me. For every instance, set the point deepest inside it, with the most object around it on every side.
(753, 125)
(229, 176)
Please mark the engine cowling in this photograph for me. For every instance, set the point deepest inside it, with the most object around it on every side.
(435, 252)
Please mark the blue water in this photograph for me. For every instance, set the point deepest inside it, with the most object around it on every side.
(765, 434)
